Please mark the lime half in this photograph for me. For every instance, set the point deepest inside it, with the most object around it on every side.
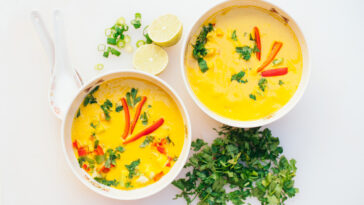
(165, 30)
(150, 58)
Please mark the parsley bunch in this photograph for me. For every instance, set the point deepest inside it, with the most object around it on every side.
(248, 161)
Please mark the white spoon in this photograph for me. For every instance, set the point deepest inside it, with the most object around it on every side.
(65, 81)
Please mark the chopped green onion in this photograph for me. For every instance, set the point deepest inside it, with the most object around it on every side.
(125, 27)
(114, 51)
(129, 48)
(111, 41)
(127, 39)
(140, 43)
(109, 32)
(101, 47)
(148, 40)
(136, 22)
(99, 66)
(120, 44)
(106, 54)
(145, 29)
(278, 61)
(120, 21)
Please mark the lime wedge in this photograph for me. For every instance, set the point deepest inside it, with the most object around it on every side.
(150, 58)
(165, 30)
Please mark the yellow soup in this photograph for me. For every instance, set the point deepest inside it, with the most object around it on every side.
(106, 147)
(225, 73)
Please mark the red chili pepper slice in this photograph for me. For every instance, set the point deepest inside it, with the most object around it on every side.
(275, 72)
(275, 49)
(85, 167)
(162, 150)
(75, 144)
(99, 150)
(137, 113)
(127, 118)
(146, 131)
(257, 40)
(82, 151)
(158, 176)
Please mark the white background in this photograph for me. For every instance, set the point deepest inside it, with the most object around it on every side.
(323, 132)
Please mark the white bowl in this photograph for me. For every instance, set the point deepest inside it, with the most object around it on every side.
(109, 191)
(305, 73)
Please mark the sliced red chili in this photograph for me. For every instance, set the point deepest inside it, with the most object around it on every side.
(82, 151)
(137, 113)
(99, 150)
(127, 118)
(274, 51)
(257, 40)
(158, 176)
(275, 72)
(75, 144)
(146, 131)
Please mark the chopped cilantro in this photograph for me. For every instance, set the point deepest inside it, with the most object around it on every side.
(197, 144)
(262, 83)
(102, 180)
(120, 149)
(280, 82)
(78, 113)
(96, 143)
(132, 168)
(131, 97)
(90, 99)
(94, 125)
(249, 161)
(169, 141)
(144, 118)
(251, 37)
(119, 108)
(111, 157)
(106, 107)
(149, 139)
(199, 50)
(245, 52)
(253, 97)
(233, 36)
(238, 77)
(128, 185)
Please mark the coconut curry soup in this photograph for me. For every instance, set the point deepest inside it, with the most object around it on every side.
(244, 64)
(127, 133)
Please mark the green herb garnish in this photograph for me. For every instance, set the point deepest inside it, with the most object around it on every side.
(96, 143)
(238, 77)
(233, 36)
(262, 83)
(253, 97)
(120, 149)
(144, 118)
(149, 139)
(278, 61)
(131, 97)
(106, 107)
(90, 99)
(245, 52)
(78, 113)
(280, 82)
(199, 50)
(110, 158)
(249, 161)
(102, 180)
(132, 168)
(99, 159)
(119, 108)
(128, 185)
(136, 22)
(169, 141)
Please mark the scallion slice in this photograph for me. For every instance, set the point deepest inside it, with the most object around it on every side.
(99, 66)
(120, 21)
(114, 51)
(140, 43)
(138, 16)
(111, 41)
(109, 32)
(121, 44)
(106, 54)
(127, 39)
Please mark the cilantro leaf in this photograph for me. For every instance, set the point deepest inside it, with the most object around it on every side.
(132, 168)
(238, 77)
(196, 145)
(252, 96)
(102, 180)
(280, 82)
(149, 139)
(199, 50)
(144, 118)
(119, 108)
(245, 52)
(262, 83)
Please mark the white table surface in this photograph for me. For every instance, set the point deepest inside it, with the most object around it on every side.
(323, 132)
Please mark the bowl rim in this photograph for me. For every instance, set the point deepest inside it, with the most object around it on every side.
(292, 101)
(187, 142)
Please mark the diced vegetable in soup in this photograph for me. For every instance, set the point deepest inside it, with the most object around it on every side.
(127, 133)
(245, 63)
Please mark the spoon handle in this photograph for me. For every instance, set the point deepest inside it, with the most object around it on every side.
(44, 36)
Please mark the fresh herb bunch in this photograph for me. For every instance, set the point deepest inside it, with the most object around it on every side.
(199, 50)
(248, 161)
